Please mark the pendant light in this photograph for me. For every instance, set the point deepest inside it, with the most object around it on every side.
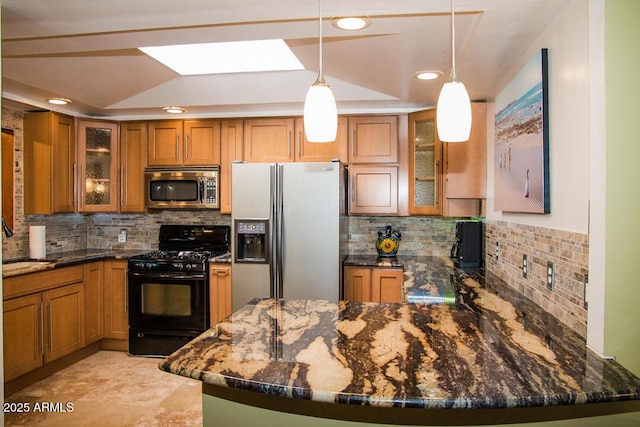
(320, 112)
(453, 114)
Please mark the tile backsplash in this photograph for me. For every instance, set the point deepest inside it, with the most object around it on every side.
(569, 253)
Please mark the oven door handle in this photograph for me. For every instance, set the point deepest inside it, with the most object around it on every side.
(171, 276)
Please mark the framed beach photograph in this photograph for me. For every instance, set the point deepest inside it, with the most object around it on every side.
(521, 156)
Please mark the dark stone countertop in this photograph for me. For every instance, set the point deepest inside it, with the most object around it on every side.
(492, 348)
(66, 259)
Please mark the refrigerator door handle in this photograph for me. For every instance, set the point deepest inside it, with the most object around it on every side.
(279, 232)
(273, 254)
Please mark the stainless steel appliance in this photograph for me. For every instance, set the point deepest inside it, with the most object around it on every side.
(287, 224)
(192, 188)
(168, 289)
(466, 250)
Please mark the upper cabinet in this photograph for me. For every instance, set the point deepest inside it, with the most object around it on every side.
(465, 168)
(231, 132)
(133, 158)
(447, 178)
(49, 163)
(425, 173)
(306, 151)
(373, 139)
(269, 140)
(184, 143)
(97, 166)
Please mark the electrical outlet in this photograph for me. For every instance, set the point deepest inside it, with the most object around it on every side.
(586, 291)
(525, 266)
(551, 275)
(122, 237)
(497, 251)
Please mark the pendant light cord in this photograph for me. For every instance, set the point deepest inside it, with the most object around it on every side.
(320, 75)
(453, 45)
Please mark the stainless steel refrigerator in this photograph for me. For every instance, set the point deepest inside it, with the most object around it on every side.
(287, 220)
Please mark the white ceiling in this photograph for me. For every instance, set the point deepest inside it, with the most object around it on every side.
(87, 51)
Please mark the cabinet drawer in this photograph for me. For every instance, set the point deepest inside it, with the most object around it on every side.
(41, 281)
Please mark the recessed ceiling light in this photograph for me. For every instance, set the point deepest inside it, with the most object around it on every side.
(427, 74)
(226, 57)
(351, 23)
(174, 110)
(59, 101)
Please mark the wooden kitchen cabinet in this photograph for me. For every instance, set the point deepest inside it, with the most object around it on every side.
(231, 150)
(374, 190)
(116, 316)
(98, 178)
(269, 140)
(219, 292)
(425, 160)
(373, 284)
(49, 163)
(43, 316)
(63, 321)
(22, 332)
(465, 168)
(93, 301)
(184, 143)
(133, 159)
(373, 139)
(447, 179)
(306, 151)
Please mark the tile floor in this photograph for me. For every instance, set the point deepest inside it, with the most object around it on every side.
(111, 388)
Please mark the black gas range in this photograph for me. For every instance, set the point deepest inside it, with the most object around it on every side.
(168, 289)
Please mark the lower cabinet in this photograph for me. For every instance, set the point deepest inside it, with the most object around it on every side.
(63, 321)
(93, 302)
(23, 335)
(116, 316)
(373, 284)
(219, 292)
(42, 327)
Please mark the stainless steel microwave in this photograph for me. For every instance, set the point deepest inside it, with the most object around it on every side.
(182, 188)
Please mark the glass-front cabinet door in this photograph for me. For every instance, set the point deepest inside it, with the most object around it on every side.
(97, 166)
(425, 165)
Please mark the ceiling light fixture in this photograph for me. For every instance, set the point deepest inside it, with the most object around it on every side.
(427, 74)
(59, 101)
(174, 110)
(453, 114)
(320, 112)
(351, 23)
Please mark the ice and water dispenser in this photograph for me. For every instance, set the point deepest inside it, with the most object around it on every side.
(252, 240)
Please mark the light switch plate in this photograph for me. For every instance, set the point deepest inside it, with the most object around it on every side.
(122, 236)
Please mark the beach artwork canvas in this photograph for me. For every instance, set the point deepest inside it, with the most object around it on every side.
(521, 156)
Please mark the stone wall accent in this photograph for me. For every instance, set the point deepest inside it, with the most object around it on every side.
(569, 251)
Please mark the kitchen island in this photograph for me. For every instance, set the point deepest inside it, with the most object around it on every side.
(491, 357)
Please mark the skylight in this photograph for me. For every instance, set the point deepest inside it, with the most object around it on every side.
(226, 57)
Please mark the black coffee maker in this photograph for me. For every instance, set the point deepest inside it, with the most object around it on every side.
(466, 250)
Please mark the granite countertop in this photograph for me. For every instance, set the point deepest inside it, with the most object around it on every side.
(65, 259)
(493, 348)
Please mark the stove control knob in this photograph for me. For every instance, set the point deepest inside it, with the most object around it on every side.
(188, 266)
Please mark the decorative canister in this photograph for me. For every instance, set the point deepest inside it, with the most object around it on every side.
(388, 242)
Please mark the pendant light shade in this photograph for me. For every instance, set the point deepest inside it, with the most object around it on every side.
(320, 112)
(453, 114)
